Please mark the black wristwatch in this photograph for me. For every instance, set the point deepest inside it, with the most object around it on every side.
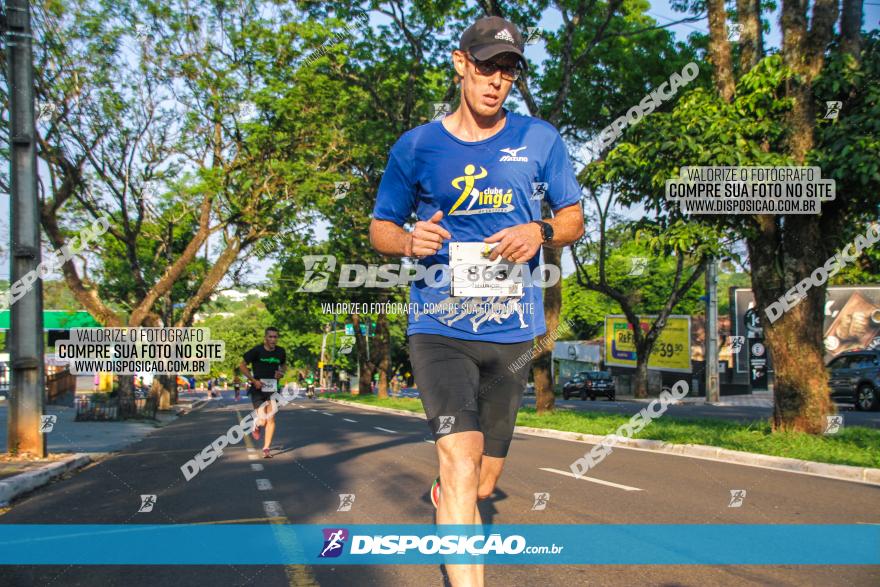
(546, 230)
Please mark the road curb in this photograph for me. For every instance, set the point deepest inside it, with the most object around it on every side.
(377, 408)
(842, 472)
(12, 487)
(181, 409)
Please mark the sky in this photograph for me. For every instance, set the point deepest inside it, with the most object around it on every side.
(660, 10)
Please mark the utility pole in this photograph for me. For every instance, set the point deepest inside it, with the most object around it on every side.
(710, 352)
(323, 348)
(169, 302)
(170, 381)
(26, 314)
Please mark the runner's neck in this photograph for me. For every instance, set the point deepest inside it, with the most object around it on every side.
(467, 126)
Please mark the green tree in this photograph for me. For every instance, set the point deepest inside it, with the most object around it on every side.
(147, 129)
(767, 109)
(676, 256)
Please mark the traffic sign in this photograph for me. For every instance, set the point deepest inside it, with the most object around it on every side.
(349, 329)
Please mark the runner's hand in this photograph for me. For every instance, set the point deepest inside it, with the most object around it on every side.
(427, 237)
(516, 243)
(279, 374)
(258, 385)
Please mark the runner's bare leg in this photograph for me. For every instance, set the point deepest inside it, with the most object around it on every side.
(459, 455)
(490, 471)
(270, 425)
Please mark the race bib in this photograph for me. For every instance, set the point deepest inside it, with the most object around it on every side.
(269, 385)
(473, 274)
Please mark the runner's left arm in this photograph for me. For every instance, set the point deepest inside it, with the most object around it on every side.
(282, 368)
(568, 226)
(521, 242)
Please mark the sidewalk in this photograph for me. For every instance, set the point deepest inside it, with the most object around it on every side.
(95, 439)
(759, 399)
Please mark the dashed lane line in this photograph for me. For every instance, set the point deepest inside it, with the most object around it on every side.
(297, 575)
(591, 479)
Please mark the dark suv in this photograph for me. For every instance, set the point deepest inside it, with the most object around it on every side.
(855, 377)
(589, 384)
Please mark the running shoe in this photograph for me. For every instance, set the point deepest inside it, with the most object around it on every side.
(435, 492)
(266, 454)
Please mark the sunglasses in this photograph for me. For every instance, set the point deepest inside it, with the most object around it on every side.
(509, 73)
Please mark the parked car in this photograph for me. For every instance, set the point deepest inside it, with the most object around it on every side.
(589, 384)
(854, 377)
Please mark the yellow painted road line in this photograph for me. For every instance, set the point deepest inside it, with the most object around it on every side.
(297, 575)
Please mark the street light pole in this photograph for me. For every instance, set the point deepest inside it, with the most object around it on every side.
(710, 353)
(26, 314)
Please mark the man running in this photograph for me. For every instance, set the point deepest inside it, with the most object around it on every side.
(269, 363)
(475, 180)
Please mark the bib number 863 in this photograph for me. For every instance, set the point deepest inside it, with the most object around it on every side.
(486, 273)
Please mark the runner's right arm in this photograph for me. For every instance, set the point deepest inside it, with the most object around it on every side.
(426, 238)
(245, 370)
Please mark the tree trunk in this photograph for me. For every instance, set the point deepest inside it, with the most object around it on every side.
(162, 391)
(719, 50)
(383, 353)
(751, 38)
(367, 365)
(545, 398)
(215, 274)
(851, 28)
(125, 396)
(366, 380)
(545, 401)
(640, 377)
(801, 395)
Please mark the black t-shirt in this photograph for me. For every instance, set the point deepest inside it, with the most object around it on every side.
(264, 363)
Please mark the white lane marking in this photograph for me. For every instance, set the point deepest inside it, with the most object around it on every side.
(668, 452)
(251, 449)
(429, 440)
(273, 509)
(327, 413)
(591, 479)
(252, 456)
(385, 429)
(256, 467)
(264, 484)
(312, 410)
(350, 420)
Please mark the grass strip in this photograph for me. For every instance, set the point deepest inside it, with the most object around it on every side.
(853, 445)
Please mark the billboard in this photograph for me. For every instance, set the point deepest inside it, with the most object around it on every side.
(672, 351)
(852, 320)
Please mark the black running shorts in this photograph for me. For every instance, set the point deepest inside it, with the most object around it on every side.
(470, 385)
(258, 398)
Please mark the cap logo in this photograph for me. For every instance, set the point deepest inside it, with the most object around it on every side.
(503, 35)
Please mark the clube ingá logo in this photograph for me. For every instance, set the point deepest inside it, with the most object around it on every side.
(334, 541)
(488, 200)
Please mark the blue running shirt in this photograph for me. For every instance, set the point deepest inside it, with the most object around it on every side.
(481, 187)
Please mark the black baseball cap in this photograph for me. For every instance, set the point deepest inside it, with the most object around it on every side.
(491, 36)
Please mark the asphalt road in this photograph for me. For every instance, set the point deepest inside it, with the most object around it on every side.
(323, 449)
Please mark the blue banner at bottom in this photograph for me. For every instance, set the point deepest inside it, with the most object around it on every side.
(361, 544)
